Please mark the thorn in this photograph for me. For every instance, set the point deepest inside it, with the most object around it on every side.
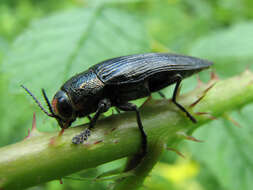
(214, 76)
(209, 88)
(188, 137)
(53, 139)
(191, 138)
(197, 101)
(199, 82)
(229, 118)
(97, 142)
(61, 182)
(147, 100)
(210, 116)
(203, 95)
(33, 127)
(176, 151)
(34, 122)
(61, 132)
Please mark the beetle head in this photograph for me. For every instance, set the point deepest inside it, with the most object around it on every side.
(61, 110)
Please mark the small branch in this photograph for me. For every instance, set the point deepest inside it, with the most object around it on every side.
(45, 156)
(141, 171)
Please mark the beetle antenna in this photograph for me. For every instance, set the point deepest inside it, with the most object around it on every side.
(38, 102)
(48, 103)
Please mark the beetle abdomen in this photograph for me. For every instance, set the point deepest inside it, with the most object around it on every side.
(134, 68)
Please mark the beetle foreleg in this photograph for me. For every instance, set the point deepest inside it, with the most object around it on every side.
(178, 79)
(103, 106)
(131, 107)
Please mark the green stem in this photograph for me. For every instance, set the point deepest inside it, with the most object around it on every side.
(141, 171)
(44, 156)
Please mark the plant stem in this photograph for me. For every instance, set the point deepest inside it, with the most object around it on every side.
(45, 156)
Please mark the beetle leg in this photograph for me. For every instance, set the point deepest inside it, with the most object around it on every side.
(146, 86)
(103, 106)
(131, 107)
(89, 117)
(178, 79)
(117, 110)
(162, 94)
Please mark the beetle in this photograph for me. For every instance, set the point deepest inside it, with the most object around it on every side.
(115, 82)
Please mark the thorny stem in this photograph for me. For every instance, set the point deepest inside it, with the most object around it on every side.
(47, 156)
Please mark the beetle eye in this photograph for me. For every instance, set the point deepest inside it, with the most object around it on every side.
(64, 108)
(62, 105)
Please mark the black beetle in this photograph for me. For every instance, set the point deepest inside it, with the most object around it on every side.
(115, 82)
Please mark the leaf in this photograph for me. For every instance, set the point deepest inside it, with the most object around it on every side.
(231, 46)
(232, 42)
(225, 151)
(94, 2)
(3, 49)
(57, 47)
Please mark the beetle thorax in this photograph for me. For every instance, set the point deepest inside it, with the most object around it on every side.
(84, 90)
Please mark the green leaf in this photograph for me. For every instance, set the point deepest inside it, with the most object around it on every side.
(233, 42)
(231, 46)
(57, 47)
(98, 2)
(225, 151)
(3, 49)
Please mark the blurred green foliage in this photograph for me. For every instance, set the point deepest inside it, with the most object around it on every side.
(42, 43)
(16, 15)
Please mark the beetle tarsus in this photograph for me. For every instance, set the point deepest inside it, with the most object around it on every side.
(178, 79)
(131, 107)
(80, 138)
